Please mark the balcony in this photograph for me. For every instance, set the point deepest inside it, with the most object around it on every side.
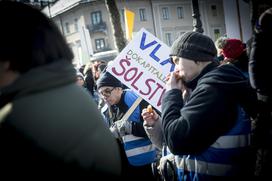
(101, 27)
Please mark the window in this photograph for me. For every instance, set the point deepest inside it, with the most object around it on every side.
(216, 33)
(76, 25)
(99, 44)
(96, 17)
(142, 14)
(67, 27)
(214, 10)
(180, 12)
(168, 39)
(165, 13)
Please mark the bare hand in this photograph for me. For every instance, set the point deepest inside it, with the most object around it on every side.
(150, 117)
(174, 81)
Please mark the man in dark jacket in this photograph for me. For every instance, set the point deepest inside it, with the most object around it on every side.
(50, 128)
(209, 134)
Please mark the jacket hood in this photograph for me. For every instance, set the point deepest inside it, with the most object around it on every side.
(39, 79)
(232, 80)
(225, 74)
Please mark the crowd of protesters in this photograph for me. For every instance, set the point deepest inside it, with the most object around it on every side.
(56, 120)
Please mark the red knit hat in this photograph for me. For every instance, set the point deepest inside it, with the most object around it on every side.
(233, 48)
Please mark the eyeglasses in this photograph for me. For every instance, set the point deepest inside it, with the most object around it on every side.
(175, 60)
(106, 92)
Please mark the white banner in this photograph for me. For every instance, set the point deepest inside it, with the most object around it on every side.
(143, 66)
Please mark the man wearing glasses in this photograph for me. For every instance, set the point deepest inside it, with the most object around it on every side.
(138, 151)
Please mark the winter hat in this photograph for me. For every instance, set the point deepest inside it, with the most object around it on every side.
(233, 48)
(102, 67)
(106, 79)
(194, 46)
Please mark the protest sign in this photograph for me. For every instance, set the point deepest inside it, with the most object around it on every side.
(143, 66)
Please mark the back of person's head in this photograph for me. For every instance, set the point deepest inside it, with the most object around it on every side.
(28, 38)
(81, 69)
(102, 67)
(220, 42)
(194, 46)
(265, 21)
(233, 48)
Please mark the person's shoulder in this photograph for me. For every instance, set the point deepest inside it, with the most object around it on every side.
(229, 69)
(129, 97)
(224, 74)
(130, 94)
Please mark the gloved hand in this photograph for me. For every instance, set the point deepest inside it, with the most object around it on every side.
(121, 128)
(167, 167)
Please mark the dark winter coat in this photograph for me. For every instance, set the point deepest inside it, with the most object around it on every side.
(260, 59)
(210, 111)
(54, 129)
(195, 131)
(259, 71)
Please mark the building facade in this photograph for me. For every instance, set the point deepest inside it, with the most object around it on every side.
(88, 30)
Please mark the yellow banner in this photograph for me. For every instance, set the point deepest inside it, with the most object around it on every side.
(129, 21)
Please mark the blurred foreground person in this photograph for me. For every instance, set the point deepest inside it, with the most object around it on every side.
(50, 128)
(259, 69)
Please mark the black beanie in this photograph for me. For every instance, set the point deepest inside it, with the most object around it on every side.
(194, 46)
(106, 79)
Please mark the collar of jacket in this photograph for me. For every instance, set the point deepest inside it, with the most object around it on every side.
(39, 79)
(121, 104)
(192, 84)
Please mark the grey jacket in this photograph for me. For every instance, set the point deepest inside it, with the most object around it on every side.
(155, 133)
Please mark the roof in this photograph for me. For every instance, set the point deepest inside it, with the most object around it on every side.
(62, 6)
(106, 56)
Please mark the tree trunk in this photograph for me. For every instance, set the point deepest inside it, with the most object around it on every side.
(118, 33)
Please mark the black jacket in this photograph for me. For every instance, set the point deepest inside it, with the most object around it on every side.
(210, 111)
(260, 62)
